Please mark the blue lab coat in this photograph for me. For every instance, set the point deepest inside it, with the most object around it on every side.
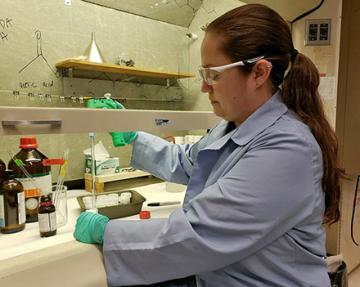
(252, 214)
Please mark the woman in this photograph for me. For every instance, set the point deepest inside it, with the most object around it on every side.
(259, 185)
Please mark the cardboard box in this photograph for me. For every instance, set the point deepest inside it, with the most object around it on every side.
(104, 166)
(108, 182)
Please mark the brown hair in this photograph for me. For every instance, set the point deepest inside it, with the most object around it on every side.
(256, 30)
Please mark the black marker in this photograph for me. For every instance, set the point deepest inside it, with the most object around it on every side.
(163, 203)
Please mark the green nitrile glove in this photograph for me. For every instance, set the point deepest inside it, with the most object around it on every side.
(90, 227)
(118, 138)
(103, 104)
(123, 138)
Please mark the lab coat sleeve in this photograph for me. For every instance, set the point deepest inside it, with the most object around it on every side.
(163, 159)
(271, 189)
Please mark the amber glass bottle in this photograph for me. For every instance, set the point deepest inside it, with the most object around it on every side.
(47, 217)
(12, 204)
(2, 171)
(41, 177)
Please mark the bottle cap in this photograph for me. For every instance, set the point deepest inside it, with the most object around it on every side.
(145, 214)
(28, 143)
(45, 198)
(9, 174)
(117, 139)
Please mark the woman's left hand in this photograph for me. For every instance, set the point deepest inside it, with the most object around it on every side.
(90, 227)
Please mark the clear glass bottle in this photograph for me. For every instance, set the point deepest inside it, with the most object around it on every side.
(12, 204)
(47, 217)
(41, 175)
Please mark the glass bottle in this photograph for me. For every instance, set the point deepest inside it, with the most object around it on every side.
(2, 171)
(47, 217)
(12, 204)
(40, 181)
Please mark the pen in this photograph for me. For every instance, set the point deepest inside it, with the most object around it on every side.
(163, 203)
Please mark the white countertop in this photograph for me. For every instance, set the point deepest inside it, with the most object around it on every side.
(29, 240)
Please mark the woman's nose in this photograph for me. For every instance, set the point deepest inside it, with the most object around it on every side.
(205, 87)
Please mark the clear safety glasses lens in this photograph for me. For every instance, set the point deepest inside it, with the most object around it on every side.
(208, 75)
(212, 74)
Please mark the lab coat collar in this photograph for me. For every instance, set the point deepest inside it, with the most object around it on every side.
(262, 118)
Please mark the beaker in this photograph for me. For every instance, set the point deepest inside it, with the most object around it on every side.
(59, 193)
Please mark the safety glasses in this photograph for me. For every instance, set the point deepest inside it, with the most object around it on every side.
(212, 74)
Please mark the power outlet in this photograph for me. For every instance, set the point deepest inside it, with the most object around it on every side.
(318, 32)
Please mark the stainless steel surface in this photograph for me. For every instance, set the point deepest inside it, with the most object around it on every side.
(92, 52)
(29, 122)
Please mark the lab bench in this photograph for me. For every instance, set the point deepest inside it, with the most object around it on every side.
(26, 259)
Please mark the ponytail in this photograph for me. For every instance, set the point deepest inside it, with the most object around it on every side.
(300, 94)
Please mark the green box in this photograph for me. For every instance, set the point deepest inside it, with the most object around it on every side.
(103, 166)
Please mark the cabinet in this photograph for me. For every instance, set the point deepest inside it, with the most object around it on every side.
(347, 129)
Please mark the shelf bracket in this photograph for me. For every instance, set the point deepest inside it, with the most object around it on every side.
(67, 72)
(70, 72)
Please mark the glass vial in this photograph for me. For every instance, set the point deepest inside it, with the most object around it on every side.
(47, 217)
(12, 204)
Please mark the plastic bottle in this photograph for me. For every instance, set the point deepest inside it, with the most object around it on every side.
(47, 217)
(2, 171)
(12, 204)
(41, 175)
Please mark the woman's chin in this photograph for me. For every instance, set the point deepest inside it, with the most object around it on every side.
(217, 111)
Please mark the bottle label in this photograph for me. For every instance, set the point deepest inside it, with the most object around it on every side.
(47, 221)
(2, 213)
(21, 207)
(31, 203)
(36, 186)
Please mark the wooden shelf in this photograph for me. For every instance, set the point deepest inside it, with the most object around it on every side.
(117, 69)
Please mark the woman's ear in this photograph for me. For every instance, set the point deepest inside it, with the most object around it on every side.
(261, 72)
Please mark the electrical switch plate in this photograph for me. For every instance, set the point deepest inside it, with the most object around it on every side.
(317, 32)
(67, 2)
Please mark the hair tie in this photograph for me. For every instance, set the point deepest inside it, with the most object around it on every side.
(293, 54)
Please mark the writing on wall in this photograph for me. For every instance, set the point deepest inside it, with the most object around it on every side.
(43, 84)
(39, 55)
(5, 28)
